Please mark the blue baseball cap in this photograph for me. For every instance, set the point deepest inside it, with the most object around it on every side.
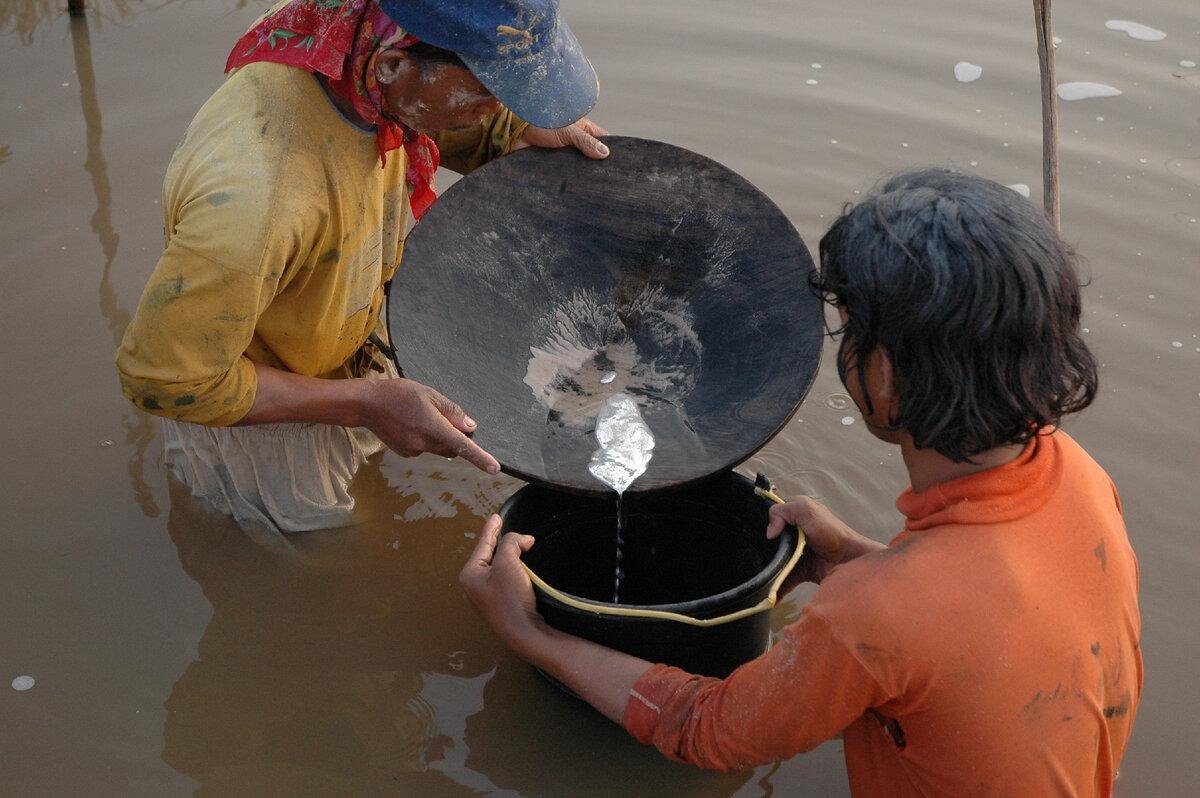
(521, 51)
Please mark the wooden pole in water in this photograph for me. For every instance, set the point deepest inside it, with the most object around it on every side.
(1045, 37)
(75, 7)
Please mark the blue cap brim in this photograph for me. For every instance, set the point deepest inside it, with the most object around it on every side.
(550, 88)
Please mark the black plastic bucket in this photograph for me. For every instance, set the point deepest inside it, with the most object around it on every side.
(698, 552)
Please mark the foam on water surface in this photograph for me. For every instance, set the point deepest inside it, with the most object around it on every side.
(1021, 189)
(1136, 30)
(966, 72)
(623, 443)
(1083, 90)
(22, 683)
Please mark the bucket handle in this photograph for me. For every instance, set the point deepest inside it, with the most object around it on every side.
(638, 612)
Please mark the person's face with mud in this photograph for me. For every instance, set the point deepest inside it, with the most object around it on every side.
(431, 92)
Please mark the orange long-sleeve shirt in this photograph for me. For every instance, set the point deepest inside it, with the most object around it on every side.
(991, 649)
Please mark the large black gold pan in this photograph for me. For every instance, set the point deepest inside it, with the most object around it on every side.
(538, 276)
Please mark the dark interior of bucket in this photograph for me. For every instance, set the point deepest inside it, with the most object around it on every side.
(678, 546)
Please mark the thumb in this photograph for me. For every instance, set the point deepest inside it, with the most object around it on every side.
(588, 144)
(452, 412)
(513, 545)
(776, 522)
(486, 546)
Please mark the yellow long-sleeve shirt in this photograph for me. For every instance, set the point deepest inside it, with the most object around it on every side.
(281, 230)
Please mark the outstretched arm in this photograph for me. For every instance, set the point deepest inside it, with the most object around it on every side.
(467, 148)
(803, 691)
(498, 587)
(408, 417)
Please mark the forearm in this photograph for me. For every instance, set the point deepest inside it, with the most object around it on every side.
(600, 676)
(285, 397)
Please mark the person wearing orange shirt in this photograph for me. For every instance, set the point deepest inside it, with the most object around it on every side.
(992, 647)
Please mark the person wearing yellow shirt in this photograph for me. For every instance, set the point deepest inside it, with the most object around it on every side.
(257, 337)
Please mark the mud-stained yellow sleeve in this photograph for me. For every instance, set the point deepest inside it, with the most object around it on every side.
(466, 148)
(182, 356)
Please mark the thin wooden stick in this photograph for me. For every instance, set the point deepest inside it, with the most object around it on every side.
(1045, 38)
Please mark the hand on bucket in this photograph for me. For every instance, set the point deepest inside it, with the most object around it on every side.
(498, 587)
(828, 540)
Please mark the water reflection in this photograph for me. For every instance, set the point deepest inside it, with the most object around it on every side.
(139, 428)
(431, 487)
(338, 662)
(537, 740)
(24, 17)
(333, 663)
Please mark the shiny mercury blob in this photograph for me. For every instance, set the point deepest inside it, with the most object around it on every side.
(623, 443)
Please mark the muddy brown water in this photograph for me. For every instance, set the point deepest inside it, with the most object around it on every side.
(174, 653)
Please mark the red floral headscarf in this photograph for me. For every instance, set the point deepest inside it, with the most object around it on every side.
(341, 39)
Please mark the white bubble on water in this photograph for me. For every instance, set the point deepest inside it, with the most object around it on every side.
(1142, 160)
(847, 420)
(1177, 344)
(974, 163)
(966, 72)
(1136, 30)
(833, 141)
(811, 82)
(1150, 296)
(608, 377)
(1057, 40)
(1083, 90)
(904, 144)
(1021, 189)
(816, 66)
(838, 401)
(22, 683)
(1099, 119)
(1085, 330)
(1186, 64)
(396, 545)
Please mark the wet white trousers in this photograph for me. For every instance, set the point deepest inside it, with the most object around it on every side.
(288, 477)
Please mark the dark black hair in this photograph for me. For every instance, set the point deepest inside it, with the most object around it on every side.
(426, 53)
(976, 300)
